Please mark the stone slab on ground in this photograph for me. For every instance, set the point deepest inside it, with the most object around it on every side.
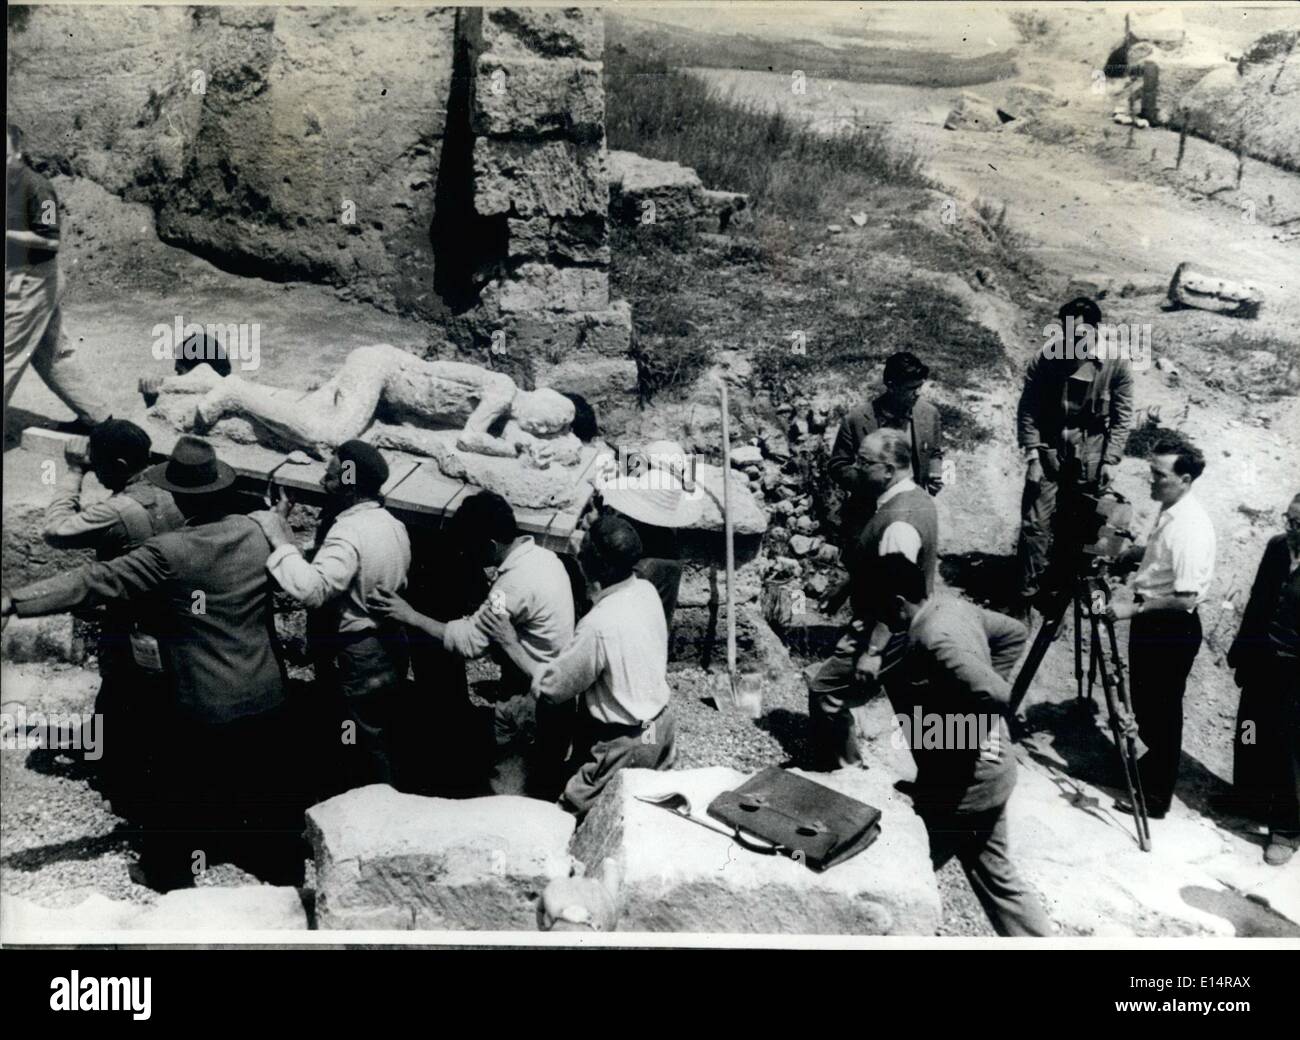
(246, 908)
(1192, 288)
(211, 909)
(386, 860)
(1083, 858)
(711, 884)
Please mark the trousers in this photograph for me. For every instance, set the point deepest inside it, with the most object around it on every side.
(1161, 648)
(979, 841)
(33, 336)
(601, 749)
(1266, 751)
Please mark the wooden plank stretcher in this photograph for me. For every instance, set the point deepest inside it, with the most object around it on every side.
(416, 491)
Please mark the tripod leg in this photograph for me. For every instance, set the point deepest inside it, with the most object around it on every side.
(1037, 651)
(1121, 694)
(1125, 747)
(1094, 655)
(1078, 647)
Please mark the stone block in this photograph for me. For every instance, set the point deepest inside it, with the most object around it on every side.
(555, 178)
(679, 877)
(1192, 288)
(538, 287)
(747, 514)
(636, 183)
(1166, 83)
(578, 240)
(548, 32)
(53, 638)
(246, 908)
(552, 337)
(973, 112)
(391, 860)
(592, 376)
(530, 97)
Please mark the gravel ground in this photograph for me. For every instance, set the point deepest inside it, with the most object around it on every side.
(59, 840)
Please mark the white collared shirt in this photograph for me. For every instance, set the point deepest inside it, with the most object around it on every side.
(900, 536)
(618, 660)
(1179, 557)
(366, 548)
(533, 588)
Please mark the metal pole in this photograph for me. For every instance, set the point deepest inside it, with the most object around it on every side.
(731, 553)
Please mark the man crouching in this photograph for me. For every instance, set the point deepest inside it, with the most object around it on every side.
(953, 665)
(617, 663)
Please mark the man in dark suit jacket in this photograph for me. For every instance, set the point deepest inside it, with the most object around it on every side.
(1072, 421)
(900, 407)
(1266, 657)
(948, 684)
(207, 595)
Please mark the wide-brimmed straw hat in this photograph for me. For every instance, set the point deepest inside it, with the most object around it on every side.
(663, 493)
(193, 469)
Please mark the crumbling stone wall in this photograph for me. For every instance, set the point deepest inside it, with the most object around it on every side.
(443, 162)
(540, 198)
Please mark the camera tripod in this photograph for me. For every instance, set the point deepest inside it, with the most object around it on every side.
(1089, 594)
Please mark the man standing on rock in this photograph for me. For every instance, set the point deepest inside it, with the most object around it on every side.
(222, 764)
(1072, 421)
(1173, 578)
(363, 548)
(616, 666)
(900, 407)
(952, 673)
(131, 687)
(905, 521)
(33, 291)
(1266, 657)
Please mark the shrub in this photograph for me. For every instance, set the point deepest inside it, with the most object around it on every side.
(777, 160)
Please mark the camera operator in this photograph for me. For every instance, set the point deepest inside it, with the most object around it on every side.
(1074, 405)
(1173, 575)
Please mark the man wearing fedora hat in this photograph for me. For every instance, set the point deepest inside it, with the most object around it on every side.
(208, 594)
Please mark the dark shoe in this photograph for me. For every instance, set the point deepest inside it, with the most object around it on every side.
(1279, 851)
(1125, 806)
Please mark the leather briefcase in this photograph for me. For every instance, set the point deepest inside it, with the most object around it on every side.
(805, 820)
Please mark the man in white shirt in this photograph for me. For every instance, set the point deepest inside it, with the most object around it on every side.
(364, 549)
(532, 590)
(617, 665)
(1172, 580)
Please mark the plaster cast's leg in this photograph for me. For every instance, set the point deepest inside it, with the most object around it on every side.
(318, 421)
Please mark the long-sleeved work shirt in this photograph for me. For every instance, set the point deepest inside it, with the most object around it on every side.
(618, 660)
(1089, 409)
(366, 548)
(533, 588)
(954, 675)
